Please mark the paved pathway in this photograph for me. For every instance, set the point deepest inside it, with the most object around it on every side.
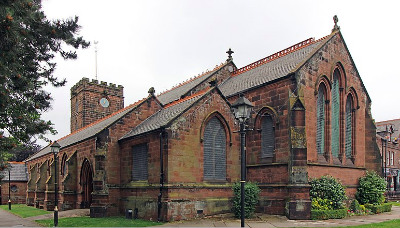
(262, 221)
(267, 221)
(7, 219)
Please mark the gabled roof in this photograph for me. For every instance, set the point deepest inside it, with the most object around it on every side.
(176, 92)
(164, 116)
(271, 68)
(89, 131)
(18, 172)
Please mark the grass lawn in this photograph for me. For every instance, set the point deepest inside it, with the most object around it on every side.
(98, 222)
(24, 211)
(387, 224)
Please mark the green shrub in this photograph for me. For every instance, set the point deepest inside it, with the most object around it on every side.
(321, 204)
(376, 209)
(327, 187)
(252, 192)
(328, 214)
(371, 189)
(355, 207)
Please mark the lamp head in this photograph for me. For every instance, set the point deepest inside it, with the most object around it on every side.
(55, 147)
(242, 108)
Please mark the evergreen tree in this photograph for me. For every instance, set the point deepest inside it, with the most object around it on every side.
(23, 151)
(28, 43)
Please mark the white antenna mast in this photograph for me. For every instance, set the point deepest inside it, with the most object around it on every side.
(95, 52)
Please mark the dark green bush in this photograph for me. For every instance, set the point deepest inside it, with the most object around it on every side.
(252, 192)
(328, 214)
(327, 187)
(376, 209)
(371, 189)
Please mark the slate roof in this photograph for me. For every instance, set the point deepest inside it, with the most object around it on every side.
(256, 74)
(18, 172)
(176, 92)
(164, 116)
(88, 131)
(270, 68)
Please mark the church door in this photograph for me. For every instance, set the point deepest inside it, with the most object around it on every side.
(86, 184)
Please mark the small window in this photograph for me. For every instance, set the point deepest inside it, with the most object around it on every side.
(14, 188)
(140, 162)
(267, 137)
(388, 158)
(392, 158)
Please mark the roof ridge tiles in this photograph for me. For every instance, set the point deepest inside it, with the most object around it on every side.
(102, 119)
(277, 55)
(186, 98)
(217, 67)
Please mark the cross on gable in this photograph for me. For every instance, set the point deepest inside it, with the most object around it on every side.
(230, 52)
(336, 27)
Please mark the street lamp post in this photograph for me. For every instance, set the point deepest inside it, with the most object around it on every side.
(9, 187)
(55, 148)
(242, 109)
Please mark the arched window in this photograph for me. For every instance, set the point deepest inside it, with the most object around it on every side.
(64, 165)
(335, 143)
(214, 145)
(349, 128)
(321, 121)
(267, 137)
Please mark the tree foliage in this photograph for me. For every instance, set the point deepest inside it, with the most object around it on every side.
(23, 151)
(28, 44)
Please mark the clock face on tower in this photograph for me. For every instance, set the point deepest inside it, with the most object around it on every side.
(104, 102)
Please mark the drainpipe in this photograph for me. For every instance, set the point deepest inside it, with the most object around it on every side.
(161, 174)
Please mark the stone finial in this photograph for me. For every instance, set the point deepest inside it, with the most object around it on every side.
(152, 91)
(336, 27)
(230, 52)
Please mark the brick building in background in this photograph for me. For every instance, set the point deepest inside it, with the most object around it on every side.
(17, 183)
(388, 141)
(176, 155)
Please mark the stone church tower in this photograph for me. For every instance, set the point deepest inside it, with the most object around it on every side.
(91, 101)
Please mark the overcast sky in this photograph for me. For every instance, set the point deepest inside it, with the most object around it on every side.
(159, 44)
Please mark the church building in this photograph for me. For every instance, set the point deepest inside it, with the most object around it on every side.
(176, 155)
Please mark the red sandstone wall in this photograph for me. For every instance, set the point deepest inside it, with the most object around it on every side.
(17, 197)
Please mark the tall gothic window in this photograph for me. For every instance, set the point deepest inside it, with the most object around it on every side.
(64, 165)
(321, 121)
(349, 128)
(214, 145)
(140, 162)
(267, 137)
(335, 115)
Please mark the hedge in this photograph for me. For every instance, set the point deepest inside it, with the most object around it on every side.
(328, 214)
(376, 209)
